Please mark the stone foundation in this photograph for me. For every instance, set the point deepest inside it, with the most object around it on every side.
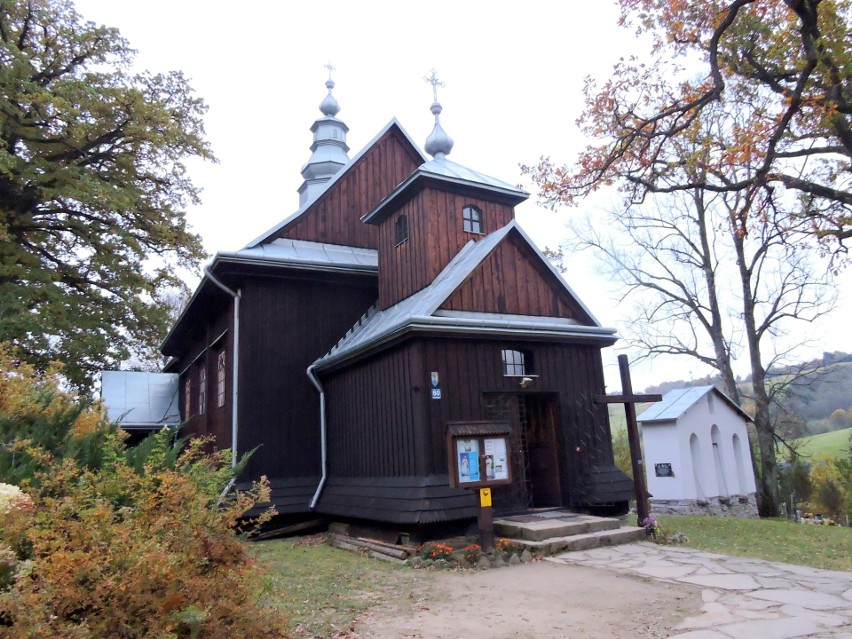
(744, 506)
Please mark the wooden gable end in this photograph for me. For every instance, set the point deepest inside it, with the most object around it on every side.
(335, 218)
(435, 235)
(513, 280)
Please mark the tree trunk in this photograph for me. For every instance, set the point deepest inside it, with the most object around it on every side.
(721, 351)
(768, 502)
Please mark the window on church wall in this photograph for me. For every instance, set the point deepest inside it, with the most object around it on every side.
(472, 220)
(220, 379)
(187, 397)
(516, 363)
(202, 389)
(401, 229)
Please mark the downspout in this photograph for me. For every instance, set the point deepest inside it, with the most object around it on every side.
(323, 440)
(236, 367)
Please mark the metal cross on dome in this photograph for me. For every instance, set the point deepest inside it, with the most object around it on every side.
(435, 82)
(330, 68)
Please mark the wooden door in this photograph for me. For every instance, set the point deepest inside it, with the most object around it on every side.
(542, 451)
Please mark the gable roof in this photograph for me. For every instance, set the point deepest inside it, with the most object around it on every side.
(393, 123)
(300, 255)
(448, 174)
(421, 311)
(677, 402)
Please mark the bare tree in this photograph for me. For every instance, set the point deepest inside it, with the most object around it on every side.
(708, 285)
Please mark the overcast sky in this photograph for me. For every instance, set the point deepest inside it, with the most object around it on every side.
(513, 74)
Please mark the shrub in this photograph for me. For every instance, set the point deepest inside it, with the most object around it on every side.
(435, 550)
(99, 542)
(116, 553)
(508, 547)
(472, 553)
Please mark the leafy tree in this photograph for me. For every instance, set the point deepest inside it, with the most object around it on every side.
(777, 73)
(93, 188)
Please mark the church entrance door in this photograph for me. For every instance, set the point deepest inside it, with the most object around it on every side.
(534, 450)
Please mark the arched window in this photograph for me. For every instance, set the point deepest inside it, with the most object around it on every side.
(472, 219)
(697, 467)
(401, 229)
(718, 462)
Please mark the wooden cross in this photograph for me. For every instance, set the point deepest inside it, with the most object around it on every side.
(629, 399)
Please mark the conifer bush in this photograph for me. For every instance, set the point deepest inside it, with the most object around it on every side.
(133, 546)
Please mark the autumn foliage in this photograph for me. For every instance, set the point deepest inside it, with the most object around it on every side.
(736, 96)
(116, 550)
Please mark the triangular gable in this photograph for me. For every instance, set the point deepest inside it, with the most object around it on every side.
(515, 279)
(423, 310)
(334, 216)
(677, 402)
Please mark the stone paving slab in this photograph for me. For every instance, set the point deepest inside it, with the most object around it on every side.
(743, 598)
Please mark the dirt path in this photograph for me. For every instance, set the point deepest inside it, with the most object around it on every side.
(535, 600)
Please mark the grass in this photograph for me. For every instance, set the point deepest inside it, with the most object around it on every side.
(323, 589)
(832, 444)
(828, 547)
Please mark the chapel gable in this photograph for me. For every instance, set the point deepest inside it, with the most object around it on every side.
(513, 279)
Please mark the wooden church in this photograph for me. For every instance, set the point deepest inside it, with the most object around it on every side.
(402, 297)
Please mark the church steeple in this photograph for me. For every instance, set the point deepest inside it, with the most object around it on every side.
(329, 149)
(438, 144)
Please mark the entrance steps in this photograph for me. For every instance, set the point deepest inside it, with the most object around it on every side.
(554, 531)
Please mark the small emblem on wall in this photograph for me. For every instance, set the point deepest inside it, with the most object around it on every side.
(435, 379)
(663, 470)
(436, 393)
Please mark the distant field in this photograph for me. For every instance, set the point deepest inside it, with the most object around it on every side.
(831, 444)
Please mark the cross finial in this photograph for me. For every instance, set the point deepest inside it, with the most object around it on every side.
(330, 68)
(435, 82)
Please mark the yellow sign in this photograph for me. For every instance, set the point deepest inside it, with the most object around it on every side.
(485, 497)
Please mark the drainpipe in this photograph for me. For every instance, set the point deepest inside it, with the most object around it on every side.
(323, 440)
(236, 367)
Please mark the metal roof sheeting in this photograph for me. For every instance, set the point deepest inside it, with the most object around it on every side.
(421, 310)
(676, 402)
(140, 400)
(307, 254)
(446, 171)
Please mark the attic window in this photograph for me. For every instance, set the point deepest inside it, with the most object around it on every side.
(472, 220)
(401, 229)
(516, 363)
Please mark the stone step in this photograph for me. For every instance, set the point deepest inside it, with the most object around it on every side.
(542, 528)
(583, 541)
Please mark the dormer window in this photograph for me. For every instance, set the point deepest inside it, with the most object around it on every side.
(472, 220)
(401, 229)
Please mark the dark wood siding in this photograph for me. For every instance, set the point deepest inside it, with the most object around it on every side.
(200, 353)
(386, 434)
(513, 280)
(286, 323)
(335, 218)
(435, 236)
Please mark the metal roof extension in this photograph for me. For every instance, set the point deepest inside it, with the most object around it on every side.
(140, 400)
(420, 311)
(676, 402)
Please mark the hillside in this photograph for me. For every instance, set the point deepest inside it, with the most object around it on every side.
(819, 401)
(832, 444)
